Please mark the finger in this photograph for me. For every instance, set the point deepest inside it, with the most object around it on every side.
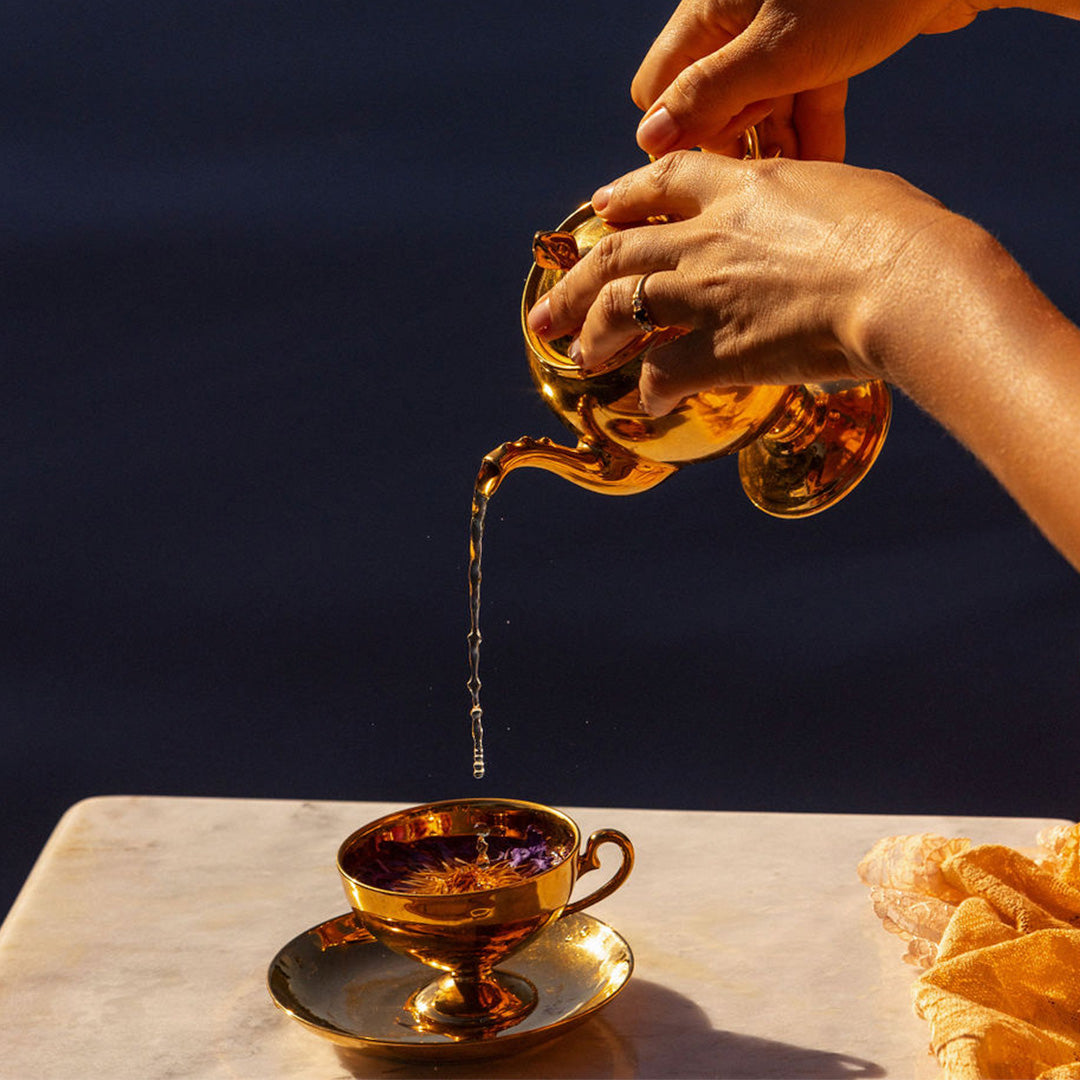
(631, 252)
(731, 142)
(671, 372)
(670, 186)
(732, 146)
(777, 133)
(685, 39)
(818, 118)
(704, 101)
(610, 324)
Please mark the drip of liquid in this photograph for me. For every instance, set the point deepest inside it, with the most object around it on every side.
(476, 713)
(482, 856)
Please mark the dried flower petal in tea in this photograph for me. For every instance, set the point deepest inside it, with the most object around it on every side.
(455, 864)
(458, 878)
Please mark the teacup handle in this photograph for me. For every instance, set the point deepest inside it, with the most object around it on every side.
(588, 860)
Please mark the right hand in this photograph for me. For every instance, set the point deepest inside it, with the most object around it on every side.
(779, 271)
(720, 66)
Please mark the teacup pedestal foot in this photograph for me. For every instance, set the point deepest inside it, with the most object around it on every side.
(470, 1005)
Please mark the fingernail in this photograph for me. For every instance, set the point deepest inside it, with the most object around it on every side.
(574, 352)
(602, 198)
(658, 132)
(539, 319)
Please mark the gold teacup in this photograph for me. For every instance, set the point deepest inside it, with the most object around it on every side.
(459, 886)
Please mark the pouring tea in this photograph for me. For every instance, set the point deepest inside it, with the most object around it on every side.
(801, 449)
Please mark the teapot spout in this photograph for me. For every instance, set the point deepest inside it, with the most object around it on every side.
(591, 466)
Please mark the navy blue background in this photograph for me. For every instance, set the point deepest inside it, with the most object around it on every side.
(258, 325)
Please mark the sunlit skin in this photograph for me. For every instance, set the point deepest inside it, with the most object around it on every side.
(785, 271)
(719, 66)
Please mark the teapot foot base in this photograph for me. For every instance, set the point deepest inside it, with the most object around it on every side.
(818, 451)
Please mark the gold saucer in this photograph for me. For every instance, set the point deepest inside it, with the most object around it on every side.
(337, 981)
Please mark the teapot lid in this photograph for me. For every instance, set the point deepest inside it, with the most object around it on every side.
(554, 253)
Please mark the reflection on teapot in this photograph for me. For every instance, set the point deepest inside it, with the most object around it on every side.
(801, 448)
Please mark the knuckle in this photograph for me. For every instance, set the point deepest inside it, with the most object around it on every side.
(689, 88)
(608, 303)
(767, 171)
(665, 172)
(604, 257)
(656, 381)
(759, 181)
(559, 305)
(657, 389)
(733, 359)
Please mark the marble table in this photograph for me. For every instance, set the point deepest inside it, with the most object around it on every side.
(139, 946)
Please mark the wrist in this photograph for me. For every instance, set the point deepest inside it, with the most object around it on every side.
(918, 296)
(897, 288)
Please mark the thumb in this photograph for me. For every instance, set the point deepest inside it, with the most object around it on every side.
(722, 93)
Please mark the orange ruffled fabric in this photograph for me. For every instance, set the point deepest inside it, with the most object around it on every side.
(997, 935)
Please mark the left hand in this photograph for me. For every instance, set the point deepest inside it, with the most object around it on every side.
(719, 66)
(769, 268)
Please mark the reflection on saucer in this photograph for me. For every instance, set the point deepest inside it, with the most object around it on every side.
(338, 982)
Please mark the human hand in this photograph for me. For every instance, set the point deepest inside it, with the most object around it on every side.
(719, 66)
(772, 268)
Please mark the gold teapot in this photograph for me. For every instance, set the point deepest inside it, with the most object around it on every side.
(801, 448)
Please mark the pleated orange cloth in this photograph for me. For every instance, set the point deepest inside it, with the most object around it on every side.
(998, 936)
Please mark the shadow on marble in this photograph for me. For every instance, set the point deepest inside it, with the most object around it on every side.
(648, 1031)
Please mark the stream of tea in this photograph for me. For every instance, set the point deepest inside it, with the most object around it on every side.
(476, 713)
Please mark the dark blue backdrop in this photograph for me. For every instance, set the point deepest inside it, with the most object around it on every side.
(261, 272)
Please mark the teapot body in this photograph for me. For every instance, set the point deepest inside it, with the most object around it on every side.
(706, 425)
(800, 448)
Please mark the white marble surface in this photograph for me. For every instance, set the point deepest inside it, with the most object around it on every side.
(139, 947)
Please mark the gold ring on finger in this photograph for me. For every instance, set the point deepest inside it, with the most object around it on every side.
(639, 308)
